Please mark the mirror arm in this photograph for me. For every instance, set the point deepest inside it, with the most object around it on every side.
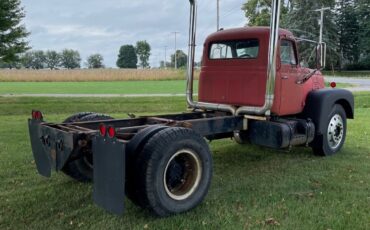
(307, 76)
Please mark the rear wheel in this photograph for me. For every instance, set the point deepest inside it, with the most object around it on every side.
(174, 171)
(333, 139)
(81, 169)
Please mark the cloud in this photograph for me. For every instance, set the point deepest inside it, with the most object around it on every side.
(103, 26)
(78, 31)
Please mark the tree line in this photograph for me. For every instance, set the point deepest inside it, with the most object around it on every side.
(132, 57)
(346, 28)
(66, 59)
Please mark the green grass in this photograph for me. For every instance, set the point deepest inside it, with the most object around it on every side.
(250, 185)
(120, 87)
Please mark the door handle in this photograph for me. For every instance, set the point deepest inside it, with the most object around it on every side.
(285, 77)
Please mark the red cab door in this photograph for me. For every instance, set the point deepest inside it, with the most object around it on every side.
(291, 93)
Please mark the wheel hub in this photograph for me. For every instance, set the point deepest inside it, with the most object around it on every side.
(335, 131)
(182, 174)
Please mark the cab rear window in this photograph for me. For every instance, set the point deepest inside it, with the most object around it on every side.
(245, 49)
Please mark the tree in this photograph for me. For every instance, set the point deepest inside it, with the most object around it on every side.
(33, 59)
(12, 33)
(95, 61)
(52, 59)
(258, 12)
(303, 21)
(27, 59)
(182, 59)
(143, 52)
(164, 65)
(127, 57)
(299, 17)
(363, 13)
(38, 59)
(70, 59)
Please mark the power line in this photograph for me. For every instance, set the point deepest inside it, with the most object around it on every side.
(165, 57)
(322, 20)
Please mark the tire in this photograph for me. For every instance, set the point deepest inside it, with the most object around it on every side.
(334, 137)
(81, 169)
(173, 172)
(77, 117)
(133, 150)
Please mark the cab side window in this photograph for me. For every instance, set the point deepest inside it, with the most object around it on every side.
(287, 54)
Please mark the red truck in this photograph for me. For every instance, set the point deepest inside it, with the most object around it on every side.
(251, 88)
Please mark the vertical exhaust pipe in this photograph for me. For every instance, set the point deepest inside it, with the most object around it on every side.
(271, 70)
(190, 70)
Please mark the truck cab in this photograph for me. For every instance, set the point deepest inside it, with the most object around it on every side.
(234, 68)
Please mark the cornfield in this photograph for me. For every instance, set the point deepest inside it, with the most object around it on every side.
(82, 75)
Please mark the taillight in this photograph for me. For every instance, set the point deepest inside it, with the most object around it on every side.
(37, 115)
(103, 130)
(333, 84)
(111, 132)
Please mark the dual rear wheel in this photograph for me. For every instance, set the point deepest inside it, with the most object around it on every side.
(169, 169)
(172, 172)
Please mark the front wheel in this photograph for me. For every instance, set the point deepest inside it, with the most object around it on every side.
(335, 133)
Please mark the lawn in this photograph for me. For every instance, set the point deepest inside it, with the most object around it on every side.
(252, 188)
(119, 87)
(108, 87)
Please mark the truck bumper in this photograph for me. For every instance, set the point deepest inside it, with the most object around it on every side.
(52, 148)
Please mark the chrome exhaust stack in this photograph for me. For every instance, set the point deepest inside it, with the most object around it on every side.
(271, 71)
(190, 71)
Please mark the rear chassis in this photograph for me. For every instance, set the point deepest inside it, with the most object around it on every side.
(54, 145)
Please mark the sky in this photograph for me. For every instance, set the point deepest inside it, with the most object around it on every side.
(102, 26)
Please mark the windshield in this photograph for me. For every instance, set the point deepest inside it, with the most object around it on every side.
(245, 49)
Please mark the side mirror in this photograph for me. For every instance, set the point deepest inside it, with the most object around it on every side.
(321, 56)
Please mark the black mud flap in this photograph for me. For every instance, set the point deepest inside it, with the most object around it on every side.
(42, 159)
(51, 147)
(109, 174)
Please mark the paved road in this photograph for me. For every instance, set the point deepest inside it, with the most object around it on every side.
(361, 84)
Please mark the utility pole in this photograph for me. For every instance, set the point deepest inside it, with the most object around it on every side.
(218, 15)
(165, 57)
(175, 48)
(322, 21)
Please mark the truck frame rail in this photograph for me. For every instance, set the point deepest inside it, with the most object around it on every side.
(55, 144)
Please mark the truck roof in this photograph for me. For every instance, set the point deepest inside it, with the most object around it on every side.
(245, 32)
